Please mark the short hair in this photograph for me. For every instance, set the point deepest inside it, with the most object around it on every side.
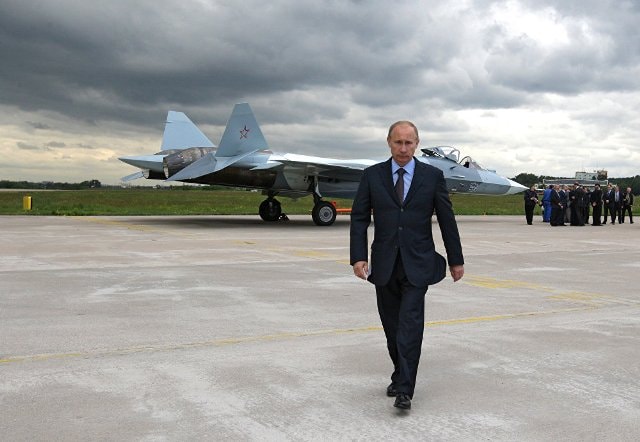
(403, 123)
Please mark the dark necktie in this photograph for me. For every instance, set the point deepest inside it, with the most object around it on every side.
(400, 184)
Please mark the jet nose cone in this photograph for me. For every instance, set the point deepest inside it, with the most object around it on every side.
(515, 188)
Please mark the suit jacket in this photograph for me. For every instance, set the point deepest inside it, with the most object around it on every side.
(564, 197)
(613, 202)
(556, 201)
(404, 228)
(530, 198)
(628, 199)
(609, 199)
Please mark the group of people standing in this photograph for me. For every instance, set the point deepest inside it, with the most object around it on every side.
(562, 204)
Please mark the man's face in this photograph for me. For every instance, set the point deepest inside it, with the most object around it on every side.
(403, 143)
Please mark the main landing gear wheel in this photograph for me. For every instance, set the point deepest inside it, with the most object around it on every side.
(323, 213)
(270, 209)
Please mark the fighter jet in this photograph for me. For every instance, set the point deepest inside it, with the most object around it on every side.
(243, 159)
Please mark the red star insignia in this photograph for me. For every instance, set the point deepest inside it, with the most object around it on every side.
(244, 132)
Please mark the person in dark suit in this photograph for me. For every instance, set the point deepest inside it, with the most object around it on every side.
(586, 197)
(566, 202)
(616, 205)
(596, 202)
(557, 218)
(403, 193)
(608, 193)
(577, 205)
(627, 205)
(530, 203)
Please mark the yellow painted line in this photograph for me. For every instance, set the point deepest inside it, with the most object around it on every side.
(577, 297)
(132, 226)
(108, 222)
(272, 337)
(309, 253)
(592, 298)
(494, 283)
(477, 319)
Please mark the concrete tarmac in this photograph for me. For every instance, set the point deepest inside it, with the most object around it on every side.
(229, 328)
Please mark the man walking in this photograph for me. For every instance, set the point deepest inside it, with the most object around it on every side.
(403, 194)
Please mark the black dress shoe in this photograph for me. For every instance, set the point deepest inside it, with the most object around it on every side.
(391, 390)
(403, 401)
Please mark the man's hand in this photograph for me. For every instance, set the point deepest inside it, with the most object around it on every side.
(457, 272)
(361, 269)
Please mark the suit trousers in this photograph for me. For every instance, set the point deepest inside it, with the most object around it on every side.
(629, 210)
(557, 218)
(597, 217)
(528, 212)
(401, 310)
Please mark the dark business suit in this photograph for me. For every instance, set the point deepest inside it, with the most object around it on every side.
(557, 218)
(404, 261)
(596, 202)
(606, 204)
(616, 206)
(530, 202)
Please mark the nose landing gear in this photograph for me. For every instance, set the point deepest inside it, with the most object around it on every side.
(270, 209)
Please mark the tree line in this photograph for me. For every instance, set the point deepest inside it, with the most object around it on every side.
(91, 184)
(524, 178)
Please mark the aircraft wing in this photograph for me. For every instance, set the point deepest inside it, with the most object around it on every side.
(350, 170)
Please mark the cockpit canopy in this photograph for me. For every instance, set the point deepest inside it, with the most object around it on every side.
(452, 154)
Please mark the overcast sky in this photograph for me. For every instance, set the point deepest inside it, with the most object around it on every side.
(546, 87)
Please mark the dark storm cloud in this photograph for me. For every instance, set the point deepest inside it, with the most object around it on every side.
(38, 125)
(102, 68)
(26, 146)
(123, 61)
(128, 60)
